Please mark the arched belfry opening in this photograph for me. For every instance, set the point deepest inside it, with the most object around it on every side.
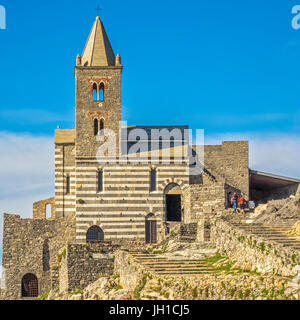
(151, 228)
(101, 92)
(95, 93)
(173, 203)
(95, 234)
(30, 287)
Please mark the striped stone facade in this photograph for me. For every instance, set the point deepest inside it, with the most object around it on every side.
(123, 205)
(65, 201)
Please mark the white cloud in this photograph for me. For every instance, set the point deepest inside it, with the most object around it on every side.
(33, 116)
(277, 153)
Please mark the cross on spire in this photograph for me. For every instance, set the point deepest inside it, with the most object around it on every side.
(98, 9)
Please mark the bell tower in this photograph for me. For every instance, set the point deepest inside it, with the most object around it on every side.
(98, 92)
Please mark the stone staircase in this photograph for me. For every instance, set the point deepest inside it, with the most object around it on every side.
(274, 233)
(163, 266)
(188, 232)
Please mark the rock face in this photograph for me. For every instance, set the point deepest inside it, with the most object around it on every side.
(280, 211)
(295, 230)
(105, 288)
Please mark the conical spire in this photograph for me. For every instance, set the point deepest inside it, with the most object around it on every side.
(98, 51)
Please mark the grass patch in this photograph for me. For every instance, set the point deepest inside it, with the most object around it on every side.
(43, 296)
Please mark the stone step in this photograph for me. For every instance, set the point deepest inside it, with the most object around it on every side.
(186, 274)
(174, 271)
(275, 233)
(175, 265)
(166, 261)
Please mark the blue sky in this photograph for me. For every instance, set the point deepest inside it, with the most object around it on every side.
(225, 66)
(229, 67)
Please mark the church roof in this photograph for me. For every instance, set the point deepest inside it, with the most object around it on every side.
(98, 51)
(64, 136)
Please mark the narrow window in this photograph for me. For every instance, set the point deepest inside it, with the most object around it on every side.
(160, 143)
(101, 125)
(153, 180)
(101, 92)
(95, 127)
(95, 97)
(46, 256)
(172, 142)
(68, 185)
(100, 181)
(48, 211)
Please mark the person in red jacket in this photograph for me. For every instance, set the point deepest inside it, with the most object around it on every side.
(242, 204)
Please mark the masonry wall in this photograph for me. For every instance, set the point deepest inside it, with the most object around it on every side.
(87, 110)
(230, 160)
(204, 199)
(252, 252)
(83, 264)
(39, 208)
(31, 246)
(261, 196)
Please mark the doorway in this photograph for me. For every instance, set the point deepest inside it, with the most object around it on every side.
(173, 206)
(151, 229)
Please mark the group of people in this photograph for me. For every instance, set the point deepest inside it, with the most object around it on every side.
(234, 201)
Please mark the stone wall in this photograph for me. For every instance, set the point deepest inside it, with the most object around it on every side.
(252, 252)
(261, 196)
(200, 200)
(88, 110)
(230, 161)
(80, 265)
(39, 208)
(31, 246)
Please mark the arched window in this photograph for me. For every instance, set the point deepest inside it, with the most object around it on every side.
(67, 184)
(30, 286)
(95, 94)
(101, 92)
(100, 181)
(153, 180)
(95, 234)
(96, 128)
(101, 125)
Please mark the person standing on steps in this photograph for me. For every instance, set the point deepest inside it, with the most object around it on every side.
(229, 196)
(234, 201)
(242, 203)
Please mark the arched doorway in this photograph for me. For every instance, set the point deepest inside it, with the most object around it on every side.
(95, 234)
(30, 287)
(173, 199)
(151, 228)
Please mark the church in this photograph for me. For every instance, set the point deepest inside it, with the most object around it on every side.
(120, 185)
